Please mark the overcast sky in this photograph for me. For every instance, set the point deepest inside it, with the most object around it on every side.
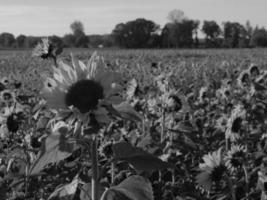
(47, 17)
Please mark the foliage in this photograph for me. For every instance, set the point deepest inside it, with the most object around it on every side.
(134, 34)
(212, 31)
(191, 126)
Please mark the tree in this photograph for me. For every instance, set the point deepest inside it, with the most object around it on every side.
(249, 32)
(259, 37)
(179, 34)
(7, 40)
(77, 28)
(233, 34)
(68, 40)
(212, 31)
(81, 40)
(134, 34)
(21, 41)
(56, 40)
(177, 16)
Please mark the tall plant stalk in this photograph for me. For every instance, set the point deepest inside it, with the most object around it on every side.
(95, 170)
(162, 125)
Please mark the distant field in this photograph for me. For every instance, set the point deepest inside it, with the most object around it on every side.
(21, 60)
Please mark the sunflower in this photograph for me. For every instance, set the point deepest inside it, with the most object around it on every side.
(174, 101)
(4, 81)
(254, 70)
(203, 94)
(7, 96)
(83, 89)
(221, 122)
(11, 118)
(43, 49)
(212, 170)
(243, 79)
(223, 92)
(235, 157)
(234, 123)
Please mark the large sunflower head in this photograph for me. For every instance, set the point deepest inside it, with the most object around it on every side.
(212, 170)
(82, 87)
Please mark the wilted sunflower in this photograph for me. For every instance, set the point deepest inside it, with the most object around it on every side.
(212, 170)
(83, 88)
(235, 122)
(235, 158)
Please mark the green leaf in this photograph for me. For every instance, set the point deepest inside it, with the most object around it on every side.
(56, 147)
(138, 158)
(67, 190)
(86, 191)
(133, 188)
(126, 111)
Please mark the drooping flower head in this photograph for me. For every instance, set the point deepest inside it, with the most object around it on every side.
(212, 170)
(235, 157)
(82, 87)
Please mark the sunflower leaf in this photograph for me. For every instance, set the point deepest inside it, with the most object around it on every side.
(66, 190)
(133, 188)
(138, 158)
(55, 148)
(126, 111)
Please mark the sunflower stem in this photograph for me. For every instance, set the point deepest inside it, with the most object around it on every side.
(94, 179)
(162, 125)
(112, 173)
(246, 181)
(55, 60)
(173, 176)
(226, 144)
(231, 186)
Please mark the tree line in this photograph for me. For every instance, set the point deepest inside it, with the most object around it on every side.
(179, 32)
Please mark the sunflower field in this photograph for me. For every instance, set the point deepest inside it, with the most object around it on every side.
(133, 124)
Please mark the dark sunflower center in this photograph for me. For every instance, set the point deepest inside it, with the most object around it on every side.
(12, 123)
(237, 125)
(177, 102)
(84, 95)
(2, 87)
(217, 173)
(238, 159)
